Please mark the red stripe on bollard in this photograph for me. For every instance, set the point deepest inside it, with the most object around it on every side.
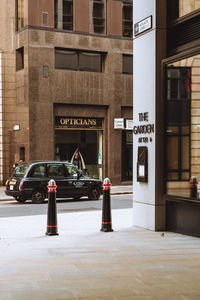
(106, 186)
(52, 188)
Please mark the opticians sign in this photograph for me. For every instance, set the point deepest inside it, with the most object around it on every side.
(143, 25)
(78, 123)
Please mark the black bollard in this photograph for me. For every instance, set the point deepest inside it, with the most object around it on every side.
(52, 228)
(193, 187)
(106, 210)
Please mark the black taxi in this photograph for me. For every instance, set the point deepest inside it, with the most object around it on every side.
(30, 180)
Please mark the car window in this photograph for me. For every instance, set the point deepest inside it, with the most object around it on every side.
(55, 170)
(38, 171)
(20, 170)
(71, 170)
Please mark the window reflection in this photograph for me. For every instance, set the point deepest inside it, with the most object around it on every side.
(180, 8)
(182, 125)
(186, 7)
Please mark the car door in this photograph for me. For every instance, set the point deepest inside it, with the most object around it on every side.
(77, 183)
(56, 171)
(37, 177)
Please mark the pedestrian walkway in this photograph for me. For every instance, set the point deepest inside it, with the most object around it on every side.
(84, 263)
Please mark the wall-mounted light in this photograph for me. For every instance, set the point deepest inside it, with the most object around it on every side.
(16, 127)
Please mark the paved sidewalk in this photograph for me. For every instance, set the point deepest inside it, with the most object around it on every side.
(115, 190)
(85, 263)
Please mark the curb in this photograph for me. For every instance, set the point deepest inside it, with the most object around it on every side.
(117, 193)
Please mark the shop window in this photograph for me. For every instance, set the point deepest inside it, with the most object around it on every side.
(98, 16)
(178, 122)
(127, 20)
(127, 64)
(78, 60)
(20, 14)
(20, 59)
(127, 155)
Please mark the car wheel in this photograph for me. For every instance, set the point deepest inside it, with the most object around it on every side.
(94, 193)
(20, 199)
(38, 196)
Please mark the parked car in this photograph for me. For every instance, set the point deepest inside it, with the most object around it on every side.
(30, 180)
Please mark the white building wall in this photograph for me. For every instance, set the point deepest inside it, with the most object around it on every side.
(147, 209)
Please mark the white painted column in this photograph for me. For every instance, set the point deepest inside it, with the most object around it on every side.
(148, 206)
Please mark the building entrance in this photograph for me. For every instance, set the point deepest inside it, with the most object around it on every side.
(82, 147)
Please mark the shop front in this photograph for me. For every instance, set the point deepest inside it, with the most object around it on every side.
(182, 118)
(80, 141)
(182, 82)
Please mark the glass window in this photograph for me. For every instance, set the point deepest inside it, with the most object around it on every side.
(127, 20)
(182, 125)
(20, 14)
(20, 170)
(127, 64)
(55, 170)
(98, 16)
(63, 14)
(186, 6)
(172, 153)
(78, 60)
(90, 62)
(68, 14)
(38, 171)
(71, 170)
(66, 60)
(180, 8)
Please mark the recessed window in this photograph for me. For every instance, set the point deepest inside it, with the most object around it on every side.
(98, 16)
(20, 59)
(22, 153)
(127, 20)
(127, 64)
(63, 14)
(20, 14)
(79, 60)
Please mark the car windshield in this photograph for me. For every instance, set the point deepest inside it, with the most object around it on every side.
(20, 170)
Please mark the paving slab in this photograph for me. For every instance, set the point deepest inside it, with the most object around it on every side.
(84, 263)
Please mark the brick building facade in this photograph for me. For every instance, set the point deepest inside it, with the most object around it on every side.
(66, 60)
